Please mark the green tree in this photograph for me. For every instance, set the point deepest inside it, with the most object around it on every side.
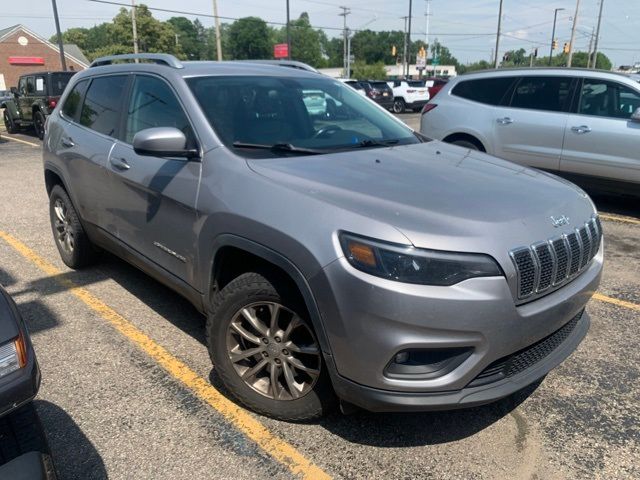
(445, 57)
(375, 71)
(186, 35)
(306, 42)
(249, 39)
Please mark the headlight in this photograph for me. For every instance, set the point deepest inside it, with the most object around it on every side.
(13, 356)
(414, 265)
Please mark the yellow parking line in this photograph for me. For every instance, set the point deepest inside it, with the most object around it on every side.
(279, 449)
(616, 218)
(21, 141)
(617, 301)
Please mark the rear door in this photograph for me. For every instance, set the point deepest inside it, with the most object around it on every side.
(601, 139)
(530, 129)
(153, 199)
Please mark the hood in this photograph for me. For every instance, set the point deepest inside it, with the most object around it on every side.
(439, 196)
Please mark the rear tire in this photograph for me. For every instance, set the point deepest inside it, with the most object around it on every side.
(9, 124)
(76, 250)
(294, 396)
(38, 124)
(398, 106)
(466, 144)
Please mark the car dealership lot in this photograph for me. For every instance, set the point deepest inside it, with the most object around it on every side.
(126, 378)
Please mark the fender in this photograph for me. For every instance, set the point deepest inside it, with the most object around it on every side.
(230, 240)
(12, 108)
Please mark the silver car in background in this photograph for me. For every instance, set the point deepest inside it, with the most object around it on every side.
(583, 124)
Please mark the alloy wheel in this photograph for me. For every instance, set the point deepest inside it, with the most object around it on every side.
(274, 351)
(63, 228)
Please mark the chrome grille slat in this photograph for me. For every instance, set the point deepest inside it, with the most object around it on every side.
(546, 266)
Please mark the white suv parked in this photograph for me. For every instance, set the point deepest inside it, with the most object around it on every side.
(409, 94)
(584, 124)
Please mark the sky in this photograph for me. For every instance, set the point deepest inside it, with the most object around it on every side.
(467, 27)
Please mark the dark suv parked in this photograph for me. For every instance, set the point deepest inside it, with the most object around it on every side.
(336, 252)
(34, 99)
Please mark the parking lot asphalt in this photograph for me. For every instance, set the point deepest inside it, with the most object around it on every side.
(129, 392)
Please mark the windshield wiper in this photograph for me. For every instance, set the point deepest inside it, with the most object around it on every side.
(374, 143)
(279, 147)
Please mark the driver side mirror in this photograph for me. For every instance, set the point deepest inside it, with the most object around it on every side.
(163, 142)
(635, 117)
(14, 90)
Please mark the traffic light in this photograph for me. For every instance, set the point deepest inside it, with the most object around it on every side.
(554, 44)
(566, 48)
(535, 53)
(394, 50)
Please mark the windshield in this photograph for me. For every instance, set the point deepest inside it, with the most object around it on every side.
(316, 114)
(58, 82)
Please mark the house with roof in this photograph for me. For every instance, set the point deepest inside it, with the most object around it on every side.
(24, 51)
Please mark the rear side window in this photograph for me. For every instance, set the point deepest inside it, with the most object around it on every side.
(71, 105)
(101, 108)
(542, 93)
(153, 104)
(485, 90)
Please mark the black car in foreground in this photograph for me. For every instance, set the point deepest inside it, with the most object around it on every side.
(24, 453)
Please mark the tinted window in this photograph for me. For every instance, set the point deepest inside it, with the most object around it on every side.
(607, 99)
(486, 90)
(542, 93)
(416, 83)
(31, 85)
(101, 108)
(153, 104)
(58, 82)
(71, 105)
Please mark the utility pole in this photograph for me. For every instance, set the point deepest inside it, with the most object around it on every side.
(345, 35)
(63, 61)
(288, 33)
(217, 23)
(134, 27)
(595, 48)
(553, 33)
(573, 33)
(409, 38)
(496, 62)
(590, 47)
(404, 48)
(426, 30)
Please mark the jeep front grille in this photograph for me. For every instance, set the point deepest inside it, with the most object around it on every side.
(545, 266)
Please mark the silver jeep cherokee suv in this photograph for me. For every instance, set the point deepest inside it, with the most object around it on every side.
(338, 254)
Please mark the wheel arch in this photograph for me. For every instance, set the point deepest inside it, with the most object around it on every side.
(234, 255)
(473, 138)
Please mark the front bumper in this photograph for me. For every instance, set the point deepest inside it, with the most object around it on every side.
(19, 387)
(369, 320)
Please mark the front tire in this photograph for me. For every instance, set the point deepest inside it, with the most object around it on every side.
(265, 351)
(76, 250)
(466, 144)
(9, 124)
(399, 106)
(38, 124)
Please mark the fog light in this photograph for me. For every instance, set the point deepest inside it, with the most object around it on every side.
(402, 357)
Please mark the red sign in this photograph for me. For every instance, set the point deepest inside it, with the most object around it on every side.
(280, 50)
(26, 60)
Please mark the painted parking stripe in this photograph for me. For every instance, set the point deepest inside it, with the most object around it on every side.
(617, 218)
(278, 448)
(617, 301)
(4, 137)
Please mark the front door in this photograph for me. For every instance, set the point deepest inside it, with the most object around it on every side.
(154, 198)
(27, 89)
(601, 139)
(530, 130)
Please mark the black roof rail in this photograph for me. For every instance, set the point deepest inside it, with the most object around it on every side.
(159, 58)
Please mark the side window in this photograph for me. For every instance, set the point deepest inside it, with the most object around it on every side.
(31, 85)
(153, 104)
(485, 90)
(22, 86)
(101, 108)
(40, 86)
(607, 99)
(542, 93)
(71, 105)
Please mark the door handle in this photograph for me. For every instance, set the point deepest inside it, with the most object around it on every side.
(67, 142)
(119, 163)
(505, 120)
(581, 129)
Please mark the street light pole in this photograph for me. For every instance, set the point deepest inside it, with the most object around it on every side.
(595, 48)
(217, 23)
(63, 61)
(134, 26)
(496, 64)
(573, 33)
(409, 39)
(289, 33)
(553, 33)
(345, 35)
